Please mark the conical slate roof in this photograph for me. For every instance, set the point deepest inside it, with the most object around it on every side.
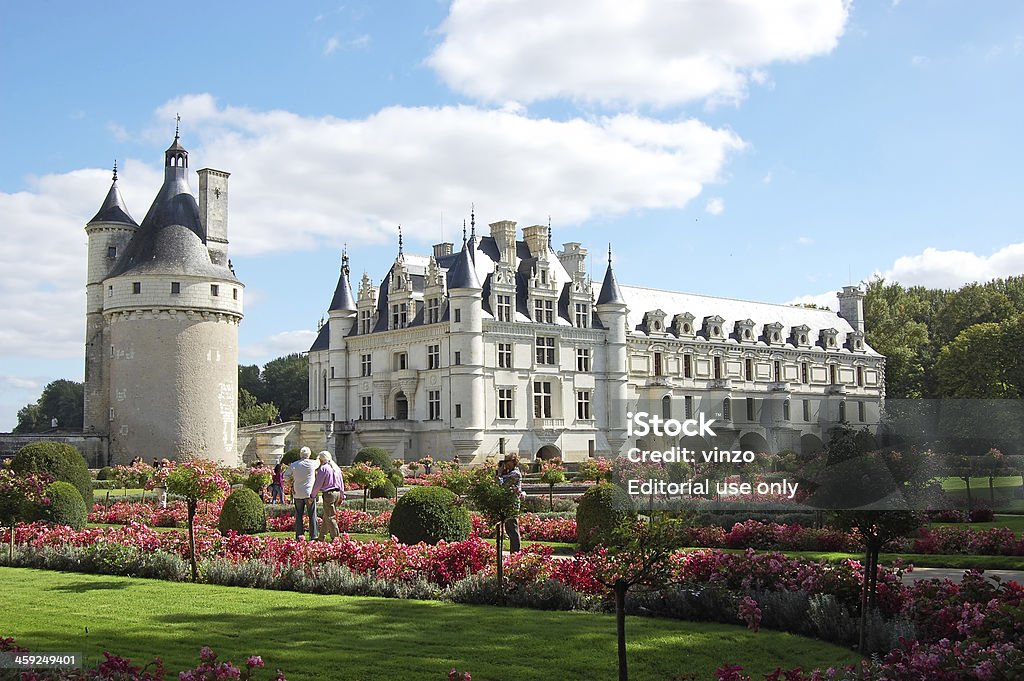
(113, 209)
(343, 298)
(171, 239)
(610, 292)
(463, 272)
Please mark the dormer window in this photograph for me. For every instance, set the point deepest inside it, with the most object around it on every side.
(682, 324)
(504, 308)
(399, 315)
(544, 311)
(772, 334)
(744, 331)
(827, 338)
(654, 321)
(433, 309)
(713, 327)
(799, 336)
(543, 277)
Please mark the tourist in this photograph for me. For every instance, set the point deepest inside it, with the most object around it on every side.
(277, 484)
(509, 475)
(329, 482)
(164, 463)
(302, 474)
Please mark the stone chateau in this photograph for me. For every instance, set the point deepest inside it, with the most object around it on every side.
(164, 304)
(506, 345)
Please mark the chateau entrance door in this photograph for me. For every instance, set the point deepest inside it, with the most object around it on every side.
(548, 452)
(401, 406)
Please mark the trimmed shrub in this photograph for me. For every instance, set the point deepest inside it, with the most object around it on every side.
(601, 509)
(66, 506)
(386, 491)
(429, 514)
(105, 473)
(375, 456)
(243, 512)
(57, 459)
(291, 456)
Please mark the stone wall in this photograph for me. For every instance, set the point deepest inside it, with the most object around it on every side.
(93, 447)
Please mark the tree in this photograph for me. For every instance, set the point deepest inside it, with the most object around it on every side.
(638, 553)
(972, 304)
(894, 328)
(287, 380)
(497, 503)
(552, 473)
(196, 480)
(250, 413)
(368, 477)
(63, 400)
(992, 464)
(19, 494)
(250, 379)
(875, 529)
(975, 364)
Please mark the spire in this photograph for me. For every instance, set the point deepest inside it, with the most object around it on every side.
(610, 293)
(113, 209)
(472, 220)
(176, 157)
(343, 298)
(399, 239)
(549, 234)
(463, 233)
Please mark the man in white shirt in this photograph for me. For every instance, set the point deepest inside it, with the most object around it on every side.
(302, 473)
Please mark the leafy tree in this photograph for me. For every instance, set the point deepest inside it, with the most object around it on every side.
(892, 320)
(552, 473)
(638, 553)
(368, 477)
(196, 480)
(19, 495)
(974, 365)
(250, 413)
(251, 380)
(497, 503)
(875, 529)
(287, 380)
(967, 306)
(61, 399)
(992, 464)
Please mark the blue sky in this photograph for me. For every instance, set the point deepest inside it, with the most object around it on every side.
(763, 150)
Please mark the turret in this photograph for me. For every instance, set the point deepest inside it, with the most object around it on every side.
(465, 319)
(342, 310)
(108, 232)
(611, 308)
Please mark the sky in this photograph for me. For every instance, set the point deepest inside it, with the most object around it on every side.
(771, 151)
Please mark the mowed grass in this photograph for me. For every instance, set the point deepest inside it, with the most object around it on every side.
(348, 638)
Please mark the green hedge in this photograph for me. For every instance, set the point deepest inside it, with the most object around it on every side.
(429, 514)
(66, 506)
(601, 509)
(375, 456)
(59, 460)
(243, 512)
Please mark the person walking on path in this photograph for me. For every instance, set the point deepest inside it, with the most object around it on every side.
(329, 482)
(302, 474)
(509, 475)
(277, 484)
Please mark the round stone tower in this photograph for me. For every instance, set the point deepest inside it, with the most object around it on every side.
(171, 309)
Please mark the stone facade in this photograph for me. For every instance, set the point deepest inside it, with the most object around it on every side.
(162, 321)
(507, 346)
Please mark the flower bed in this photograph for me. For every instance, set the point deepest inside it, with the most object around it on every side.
(996, 541)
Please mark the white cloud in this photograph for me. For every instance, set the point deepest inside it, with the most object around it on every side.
(767, 179)
(658, 52)
(952, 269)
(276, 345)
(332, 45)
(20, 383)
(919, 60)
(715, 206)
(822, 300)
(344, 179)
(350, 180)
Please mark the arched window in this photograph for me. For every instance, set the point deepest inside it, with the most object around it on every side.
(323, 385)
(666, 407)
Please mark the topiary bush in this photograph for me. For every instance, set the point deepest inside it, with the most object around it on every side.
(601, 509)
(105, 473)
(66, 506)
(429, 514)
(243, 512)
(375, 456)
(290, 456)
(59, 460)
(385, 491)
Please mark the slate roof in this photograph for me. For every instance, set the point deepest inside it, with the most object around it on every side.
(343, 299)
(113, 209)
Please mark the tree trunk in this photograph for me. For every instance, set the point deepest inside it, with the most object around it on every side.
(192, 539)
(969, 502)
(620, 628)
(864, 603)
(501, 562)
(551, 497)
(991, 491)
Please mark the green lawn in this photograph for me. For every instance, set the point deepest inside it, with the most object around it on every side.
(348, 638)
(1013, 521)
(981, 484)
